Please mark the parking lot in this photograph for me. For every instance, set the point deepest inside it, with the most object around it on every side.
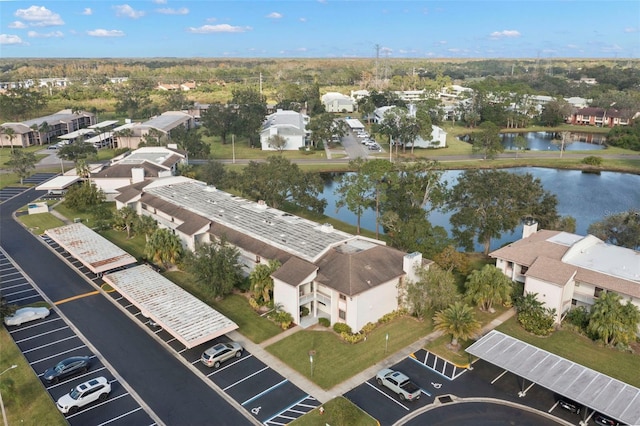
(35, 179)
(47, 341)
(258, 388)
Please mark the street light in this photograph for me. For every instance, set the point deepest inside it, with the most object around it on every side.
(4, 415)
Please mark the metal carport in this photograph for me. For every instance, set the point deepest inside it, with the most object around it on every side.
(597, 391)
(185, 317)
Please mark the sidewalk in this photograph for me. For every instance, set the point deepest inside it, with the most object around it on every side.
(322, 395)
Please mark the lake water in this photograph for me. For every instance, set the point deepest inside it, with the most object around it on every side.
(548, 141)
(587, 197)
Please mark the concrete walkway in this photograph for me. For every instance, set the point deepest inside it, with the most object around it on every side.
(322, 395)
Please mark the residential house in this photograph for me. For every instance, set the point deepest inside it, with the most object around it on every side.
(131, 135)
(143, 164)
(333, 274)
(337, 102)
(290, 125)
(566, 270)
(601, 117)
(438, 135)
(42, 130)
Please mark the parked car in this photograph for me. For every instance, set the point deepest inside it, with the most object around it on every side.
(67, 367)
(85, 393)
(569, 405)
(27, 314)
(399, 384)
(601, 419)
(54, 146)
(221, 352)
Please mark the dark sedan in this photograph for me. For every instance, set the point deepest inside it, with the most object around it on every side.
(67, 367)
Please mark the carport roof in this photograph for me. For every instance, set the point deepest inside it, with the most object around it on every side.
(91, 249)
(597, 391)
(184, 316)
(58, 183)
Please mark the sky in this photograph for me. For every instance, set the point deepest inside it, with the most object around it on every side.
(320, 29)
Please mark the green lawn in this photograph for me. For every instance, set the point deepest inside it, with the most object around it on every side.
(577, 348)
(234, 306)
(25, 400)
(38, 223)
(335, 360)
(339, 411)
(134, 245)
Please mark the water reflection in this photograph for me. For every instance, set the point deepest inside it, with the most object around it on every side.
(586, 197)
(551, 141)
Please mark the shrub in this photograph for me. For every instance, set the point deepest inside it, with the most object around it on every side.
(353, 338)
(325, 322)
(254, 304)
(368, 328)
(592, 160)
(578, 317)
(341, 327)
(304, 311)
(282, 318)
(538, 322)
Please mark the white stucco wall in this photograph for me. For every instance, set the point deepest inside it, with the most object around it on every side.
(287, 296)
(373, 304)
(549, 294)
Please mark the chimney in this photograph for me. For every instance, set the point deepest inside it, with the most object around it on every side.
(410, 263)
(529, 227)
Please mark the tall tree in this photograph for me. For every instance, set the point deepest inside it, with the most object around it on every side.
(520, 143)
(76, 151)
(621, 229)
(435, 290)
(22, 162)
(216, 267)
(555, 112)
(458, 320)
(487, 287)
(10, 134)
(353, 191)
(487, 203)
(213, 173)
(126, 218)
(487, 141)
(190, 140)
(252, 110)
(277, 142)
(220, 120)
(145, 225)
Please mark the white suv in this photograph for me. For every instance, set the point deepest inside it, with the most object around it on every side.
(83, 394)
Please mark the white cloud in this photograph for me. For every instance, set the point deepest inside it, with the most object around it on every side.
(39, 16)
(105, 33)
(504, 34)
(302, 19)
(87, 11)
(222, 28)
(18, 25)
(211, 20)
(274, 15)
(10, 39)
(128, 12)
(160, 1)
(170, 11)
(53, 34)
(631, 30)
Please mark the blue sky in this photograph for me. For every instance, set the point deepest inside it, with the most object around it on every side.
(321, 29)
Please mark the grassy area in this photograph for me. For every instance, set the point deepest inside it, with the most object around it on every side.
(338, 411)
(38, 223)
(335, 360)
(623, 366)
(134, 245)
(25, 400)
(235, 306)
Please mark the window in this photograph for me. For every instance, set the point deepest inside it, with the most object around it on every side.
(342, 314)
(343, 297)
(597, 291)
(523, 270)
(257, 259)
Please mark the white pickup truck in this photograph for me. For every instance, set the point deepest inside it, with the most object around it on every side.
(399, 384)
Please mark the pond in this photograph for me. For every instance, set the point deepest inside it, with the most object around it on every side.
(550, 141)
(587, 197)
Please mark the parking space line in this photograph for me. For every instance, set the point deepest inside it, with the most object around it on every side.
(264, 392)
(49, 344)
(91, 407)
(41, 334)
(499, 376)
(433, 369)
(290, 408)
(245, 378)
(392, 399)
(58, 354)
(120, 416)
(5, 288)
(228, 365)
(13, 301)
(88, 373)
(18, 292)
(79, 296)
(20, 278)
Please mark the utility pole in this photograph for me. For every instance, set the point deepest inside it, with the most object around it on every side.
(261, 83)
(377, 65)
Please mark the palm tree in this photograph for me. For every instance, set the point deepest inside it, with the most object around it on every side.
(145, 225)
(611, 321)
(11, 134)
(164, 248)
(488, 286)
(124, 133)
(458, 320)
(261, 281)
(44, 129)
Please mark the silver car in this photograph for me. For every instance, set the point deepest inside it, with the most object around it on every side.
(23, 315)
(213, 356)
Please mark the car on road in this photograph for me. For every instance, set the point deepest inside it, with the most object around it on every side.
(221, 352)
(67, 367)
(22, 315)
(399, 384)
(97, 389)
(601, 419)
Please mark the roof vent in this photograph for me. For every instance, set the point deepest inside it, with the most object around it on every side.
(261, 205)
(326, 228)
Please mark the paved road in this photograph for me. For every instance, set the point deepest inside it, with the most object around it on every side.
(172, 392)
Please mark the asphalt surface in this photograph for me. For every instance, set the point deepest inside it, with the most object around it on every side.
(168, 388)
